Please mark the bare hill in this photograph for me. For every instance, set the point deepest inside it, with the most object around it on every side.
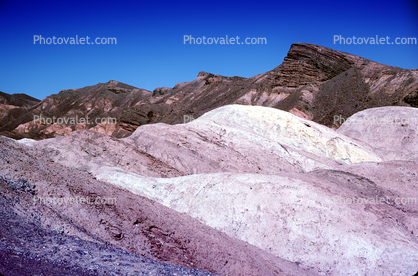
(291, 187)
(313, 82)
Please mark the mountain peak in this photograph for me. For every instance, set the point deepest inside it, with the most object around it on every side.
(203, 74)
(306, 63)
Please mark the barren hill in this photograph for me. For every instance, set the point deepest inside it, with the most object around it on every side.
(304, 198)
(313, 82)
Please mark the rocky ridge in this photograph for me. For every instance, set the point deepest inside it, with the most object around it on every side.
(313, 82)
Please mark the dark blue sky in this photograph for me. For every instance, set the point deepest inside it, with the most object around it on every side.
(150, 52)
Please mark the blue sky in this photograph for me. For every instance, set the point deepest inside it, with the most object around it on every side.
(150, 51)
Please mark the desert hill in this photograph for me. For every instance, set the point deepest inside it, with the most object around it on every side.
(313, 82)
(295, 189)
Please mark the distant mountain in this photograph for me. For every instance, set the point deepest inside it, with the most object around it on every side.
(22, 100)
(14, 110)
(313, 82)
(103, 100)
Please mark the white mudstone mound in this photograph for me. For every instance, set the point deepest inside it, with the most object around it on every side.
(391, 130)
(237, 138)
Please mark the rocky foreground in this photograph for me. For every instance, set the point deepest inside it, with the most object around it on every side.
(242, 190)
